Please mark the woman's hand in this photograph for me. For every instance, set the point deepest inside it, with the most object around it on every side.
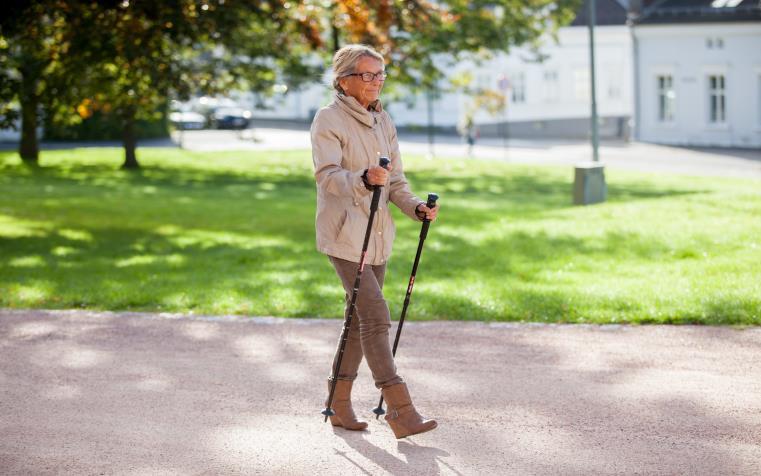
(430, 213)
(378, 175)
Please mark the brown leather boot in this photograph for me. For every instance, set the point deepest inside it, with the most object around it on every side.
(344, 416)
(402, 416)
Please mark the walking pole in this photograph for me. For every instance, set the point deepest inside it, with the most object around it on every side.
(384, 161)
(432, 197)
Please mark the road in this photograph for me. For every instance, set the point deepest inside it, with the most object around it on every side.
(135, 394)
(618, 155)
(637, 156)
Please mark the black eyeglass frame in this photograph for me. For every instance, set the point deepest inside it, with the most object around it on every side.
(369, 77)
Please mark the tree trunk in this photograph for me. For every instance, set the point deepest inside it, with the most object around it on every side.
(336, 40)
(30, 101)
(130, 141)
(334, 32)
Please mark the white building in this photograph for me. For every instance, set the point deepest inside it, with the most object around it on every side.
(547, 98)
(698, 73)
(688, 72)
(550, 96)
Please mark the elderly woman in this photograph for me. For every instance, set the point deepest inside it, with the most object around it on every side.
(348, 138)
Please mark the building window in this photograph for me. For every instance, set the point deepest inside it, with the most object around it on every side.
(518, 85)
(717, 100)
(666, 98)
(717, 43)
(551, 86)
(581, 86)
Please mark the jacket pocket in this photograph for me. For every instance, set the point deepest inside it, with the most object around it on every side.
(346, 229)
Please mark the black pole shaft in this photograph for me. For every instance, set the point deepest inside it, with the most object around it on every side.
(355, 292)
(423, 234)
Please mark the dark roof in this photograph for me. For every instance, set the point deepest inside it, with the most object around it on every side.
(700, 11)
(607, 12)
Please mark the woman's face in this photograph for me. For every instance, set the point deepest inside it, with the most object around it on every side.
(354, 86)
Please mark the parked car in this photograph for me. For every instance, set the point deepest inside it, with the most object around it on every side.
(230, 118)
(187, 120)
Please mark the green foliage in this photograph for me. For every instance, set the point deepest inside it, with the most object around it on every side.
(36, 39)
(123, 60)
(150, 51)
(102, 126)
(233, 233)
(414, 35)
(9, 107)
(82, 60)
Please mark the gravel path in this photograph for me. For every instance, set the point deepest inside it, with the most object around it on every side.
(128, 393)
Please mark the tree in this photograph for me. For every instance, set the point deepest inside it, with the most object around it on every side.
(150, 51)
(422, 39)
(127, 59)
(34, 37)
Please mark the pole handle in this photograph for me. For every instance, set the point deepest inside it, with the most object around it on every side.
(432, 197)
(384, 161)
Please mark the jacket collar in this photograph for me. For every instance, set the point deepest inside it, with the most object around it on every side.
(352, 107)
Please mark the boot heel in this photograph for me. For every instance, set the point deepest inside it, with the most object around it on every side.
(402, 417)
(345, 417)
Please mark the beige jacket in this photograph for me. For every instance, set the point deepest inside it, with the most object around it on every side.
(346, 140)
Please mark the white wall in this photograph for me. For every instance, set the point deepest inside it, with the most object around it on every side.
(682, 51)
(614, 71)
(568, 58)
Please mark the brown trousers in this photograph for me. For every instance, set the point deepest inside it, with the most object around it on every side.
(368, 334)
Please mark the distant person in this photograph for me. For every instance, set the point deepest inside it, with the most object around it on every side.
(348, 138)
(470, 131)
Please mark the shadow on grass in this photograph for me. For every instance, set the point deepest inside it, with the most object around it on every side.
(160, 176)
(529, 281)
(121, 268)
(536, 190)
(168, 237)
(478, 203)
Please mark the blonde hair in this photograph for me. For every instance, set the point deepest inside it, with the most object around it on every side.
(345, 60)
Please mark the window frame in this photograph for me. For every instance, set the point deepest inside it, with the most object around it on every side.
(582, 84)
(551, 86)
(662, 99)
(716, 95)
(518, 88)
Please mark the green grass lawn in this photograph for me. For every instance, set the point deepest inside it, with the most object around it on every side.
(233, 233)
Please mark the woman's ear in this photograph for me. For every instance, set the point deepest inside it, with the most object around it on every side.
(343, 82)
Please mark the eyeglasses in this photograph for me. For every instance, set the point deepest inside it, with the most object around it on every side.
(370, 77)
